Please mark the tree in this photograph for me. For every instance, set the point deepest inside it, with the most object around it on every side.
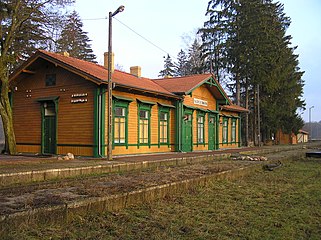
(182, 65)
(23, 29)
(169, 68)
(247, 40)
(74, 40)
(195, 61)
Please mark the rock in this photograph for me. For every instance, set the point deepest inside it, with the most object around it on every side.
(264, 158)
(70, 156)
(250, 158)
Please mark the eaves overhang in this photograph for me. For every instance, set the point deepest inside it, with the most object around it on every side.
(147, 90)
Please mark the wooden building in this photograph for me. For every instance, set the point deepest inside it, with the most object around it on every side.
(285, 138)
(302, 136)
(60, 105)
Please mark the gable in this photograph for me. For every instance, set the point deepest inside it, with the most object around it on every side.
(39, 70)
(202, 98)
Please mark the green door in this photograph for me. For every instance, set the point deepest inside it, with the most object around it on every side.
(212, 132)
(49, 134)
(187, 140)
(49, 128)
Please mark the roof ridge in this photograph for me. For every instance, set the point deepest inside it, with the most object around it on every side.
(130, 74)
(68, 57)
(88, 62)
(193, 75)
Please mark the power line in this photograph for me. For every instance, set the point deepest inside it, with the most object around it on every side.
(147, 40)
(94, 19)
(138, 34)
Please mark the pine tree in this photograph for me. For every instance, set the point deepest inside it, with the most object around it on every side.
(74, 40)
(195, 61)
(182, 66)
(169, 68)
(248, 41)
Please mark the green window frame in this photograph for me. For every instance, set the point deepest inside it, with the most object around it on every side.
(200, 127)
(144, 129)
(120, 123)
(225, 130)
(233, 131)
(163, 125)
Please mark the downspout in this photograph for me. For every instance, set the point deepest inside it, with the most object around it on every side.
(239, 126)
(179, 114)
(180, 124)
(217, 130)
(99, 123)
(103, 121)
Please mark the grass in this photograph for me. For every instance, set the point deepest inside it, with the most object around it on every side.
(281, 204)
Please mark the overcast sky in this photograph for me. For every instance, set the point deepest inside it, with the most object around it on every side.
(166, 26)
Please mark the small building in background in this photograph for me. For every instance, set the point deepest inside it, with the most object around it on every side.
(302, 136)
(285, 138)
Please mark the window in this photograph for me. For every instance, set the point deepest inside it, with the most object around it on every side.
(163, 126)
(144, 118)
(50, 109)
(120, 121)
(143, 126)
(50, 80)
(233, 133)
(200, 128)
(225, 129)
(120, 125)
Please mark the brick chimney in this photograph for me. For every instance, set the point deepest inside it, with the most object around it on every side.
(112, 61)
(66, 54)
(136, 71)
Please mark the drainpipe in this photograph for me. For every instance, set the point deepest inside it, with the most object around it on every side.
(99, 123)
(179, 114)
(180, 124)
(239, 131)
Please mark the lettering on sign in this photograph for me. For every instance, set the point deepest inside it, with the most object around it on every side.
(79, 95)
(200, 102)
(79, 98)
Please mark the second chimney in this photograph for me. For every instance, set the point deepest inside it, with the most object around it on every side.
(112, 61)
(136, 70)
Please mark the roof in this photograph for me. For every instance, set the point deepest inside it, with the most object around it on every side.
(234, 108)
(170, 87)
(95, 72)
(302, 131)
(183, 84)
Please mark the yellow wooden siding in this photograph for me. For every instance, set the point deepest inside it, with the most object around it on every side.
(229, 144)
(201, 93)
(133, 147)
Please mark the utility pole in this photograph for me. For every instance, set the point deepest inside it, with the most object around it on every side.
(110, 87)
(310, 123)
(258, 115)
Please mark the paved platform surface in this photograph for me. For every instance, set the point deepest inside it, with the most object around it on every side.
(22, 163)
